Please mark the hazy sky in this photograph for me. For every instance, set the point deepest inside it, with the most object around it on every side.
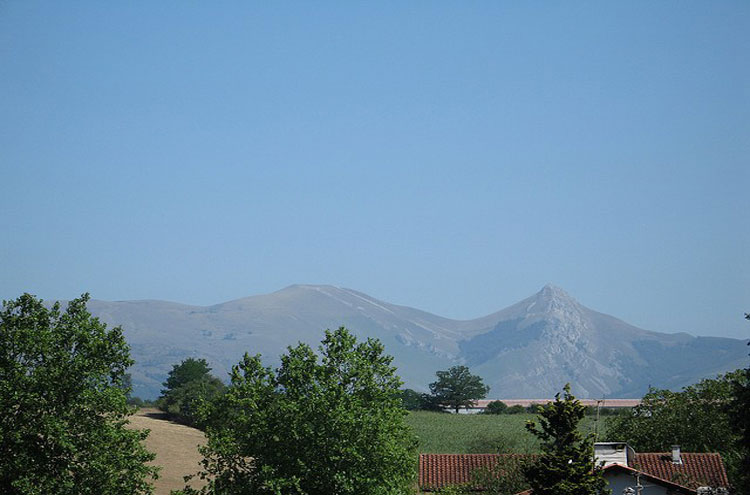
(451, 156)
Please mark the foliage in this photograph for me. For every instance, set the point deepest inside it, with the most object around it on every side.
(495, 407)
(506, 477)
(188, 384)
(457, 387)
(535, 408)
(739, 418)
(188, 370)
(565, 466)
(431, 403)
(698, 418)
(333, 424)
(455, 490)
(517, 409)
(183, 402)
(607, 411)
(414, 401)
(411, 399)
(63, 404)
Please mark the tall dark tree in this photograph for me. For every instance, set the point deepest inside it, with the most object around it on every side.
(566, 464)
(458, 388)
(187, 386)
(188, 370)
(63, 404)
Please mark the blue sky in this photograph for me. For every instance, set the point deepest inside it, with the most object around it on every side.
(451, 156)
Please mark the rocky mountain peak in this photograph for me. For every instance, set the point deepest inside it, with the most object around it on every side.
(553, 301)
(550, 291)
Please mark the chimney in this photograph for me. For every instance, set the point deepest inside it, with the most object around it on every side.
(676, 459)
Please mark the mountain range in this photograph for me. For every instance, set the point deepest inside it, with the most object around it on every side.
(530, 349)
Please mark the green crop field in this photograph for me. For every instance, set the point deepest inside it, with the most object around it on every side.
(441, 433)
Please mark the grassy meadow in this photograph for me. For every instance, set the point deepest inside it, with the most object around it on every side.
(441, 433)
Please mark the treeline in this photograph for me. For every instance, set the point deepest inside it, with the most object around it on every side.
(415, 401)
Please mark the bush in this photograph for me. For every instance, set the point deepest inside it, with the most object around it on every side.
(495, 407)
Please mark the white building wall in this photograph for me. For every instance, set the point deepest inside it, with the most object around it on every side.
(620, 481)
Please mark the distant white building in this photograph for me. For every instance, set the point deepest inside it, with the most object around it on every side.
(481, 405)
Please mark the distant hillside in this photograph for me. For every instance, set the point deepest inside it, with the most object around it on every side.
(530, 349)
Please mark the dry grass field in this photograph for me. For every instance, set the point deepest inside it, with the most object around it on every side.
(175, 446)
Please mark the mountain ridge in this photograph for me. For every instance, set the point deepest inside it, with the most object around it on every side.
(530, 348)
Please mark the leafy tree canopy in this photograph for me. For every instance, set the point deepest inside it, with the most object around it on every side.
(566, 464)
(411, 399)
(457, 387)
(496, 407)
(188, 384)
(414, 401)
(739, 419)
(63, 404)
(698, 418)
(319, 424)
(188, 370)
(739, 416)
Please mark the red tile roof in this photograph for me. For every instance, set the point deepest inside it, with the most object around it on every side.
(698, 469)
(439, 470)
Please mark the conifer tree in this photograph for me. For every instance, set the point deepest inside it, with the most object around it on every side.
(566, 464)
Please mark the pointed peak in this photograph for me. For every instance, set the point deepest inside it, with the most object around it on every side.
(553, 296)
(551, 290)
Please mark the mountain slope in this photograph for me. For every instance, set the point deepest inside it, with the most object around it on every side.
(529, 349)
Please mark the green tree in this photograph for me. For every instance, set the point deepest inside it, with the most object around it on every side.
(414, 401)
(566, 463)
(495, 407)
(739, 418)
(331, 423)
(188, 370)
(411, 399)
(698, 418)
(457, 388)
(188, 384)
(63, 404)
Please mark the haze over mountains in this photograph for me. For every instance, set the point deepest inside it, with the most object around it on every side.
(530, 349)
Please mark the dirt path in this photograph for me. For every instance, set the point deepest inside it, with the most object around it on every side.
(175, 446)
